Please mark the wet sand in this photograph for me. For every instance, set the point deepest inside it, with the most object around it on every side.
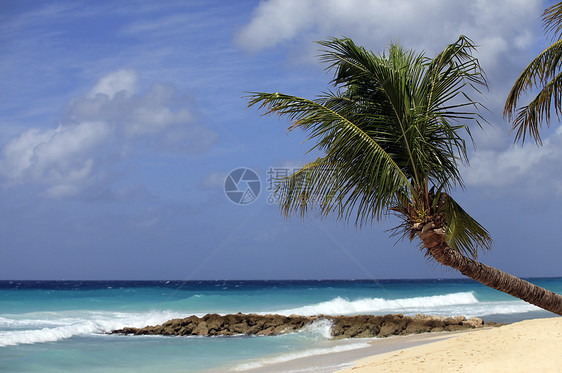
(332, 362)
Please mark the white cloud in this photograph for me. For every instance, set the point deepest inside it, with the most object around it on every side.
(504, 31)
(59, 156)
(275, 22)
(124, 81)
(529, 169)
(99, 130)
(496, 26)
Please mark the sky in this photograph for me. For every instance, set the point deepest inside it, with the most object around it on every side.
(120, 122)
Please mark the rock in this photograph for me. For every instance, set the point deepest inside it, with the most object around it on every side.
(417, 328)
(214, 322)
(201, 329)
(360, 326)
(475, 322)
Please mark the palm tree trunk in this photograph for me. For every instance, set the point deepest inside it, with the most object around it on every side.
(434, 241)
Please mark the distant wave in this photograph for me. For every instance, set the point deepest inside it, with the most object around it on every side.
(461, 303)
(341, 306)
(39, 327)
(56, 326)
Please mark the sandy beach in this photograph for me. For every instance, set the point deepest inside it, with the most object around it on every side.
(526, 346)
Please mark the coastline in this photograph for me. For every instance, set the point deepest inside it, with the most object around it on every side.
(64, 324)
(525, 346)
(332, 362)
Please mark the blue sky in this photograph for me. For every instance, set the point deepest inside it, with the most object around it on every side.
(119, 122)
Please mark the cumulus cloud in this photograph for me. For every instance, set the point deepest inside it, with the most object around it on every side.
(528, 169)
(59, 158)
(496, 25)
(109, 124)
(124, 80)
(503, 30)
(114, 100)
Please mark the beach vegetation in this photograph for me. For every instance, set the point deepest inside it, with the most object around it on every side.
(543, 73)
(392, 133)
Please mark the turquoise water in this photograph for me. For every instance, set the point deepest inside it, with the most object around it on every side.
(60, 326)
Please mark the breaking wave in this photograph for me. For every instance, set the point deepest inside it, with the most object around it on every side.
(56, 326)
(341, 306)
(462, 303)
(41, 327)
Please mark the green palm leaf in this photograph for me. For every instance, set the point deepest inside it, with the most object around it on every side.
(543, 73)
(358, 161)
(551, 20)
(462, 232)
(389, 132)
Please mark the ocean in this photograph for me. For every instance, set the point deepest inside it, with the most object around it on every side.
(61, 326)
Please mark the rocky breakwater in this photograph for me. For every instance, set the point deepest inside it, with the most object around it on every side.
(361, 326)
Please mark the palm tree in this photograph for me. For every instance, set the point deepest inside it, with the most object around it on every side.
(543, 72)
(391, 138)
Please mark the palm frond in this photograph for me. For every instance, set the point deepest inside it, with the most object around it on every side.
(389, 132)
(552, 20)
(529, 117)
(379, 79)
(543, 73)
(462, 232)
(416, 90)
(361, 173)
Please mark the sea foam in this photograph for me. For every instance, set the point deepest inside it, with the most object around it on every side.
(56, 326)
(341, 306)
(321, 327)
(40, 327)
(461, 303)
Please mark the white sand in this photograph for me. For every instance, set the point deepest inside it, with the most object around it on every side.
(527, 346)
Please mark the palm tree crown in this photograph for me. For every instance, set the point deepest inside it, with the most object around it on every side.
(545, 73)
(391, 135)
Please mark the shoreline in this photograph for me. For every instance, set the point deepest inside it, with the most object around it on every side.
(336, 361)
(525, 346)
